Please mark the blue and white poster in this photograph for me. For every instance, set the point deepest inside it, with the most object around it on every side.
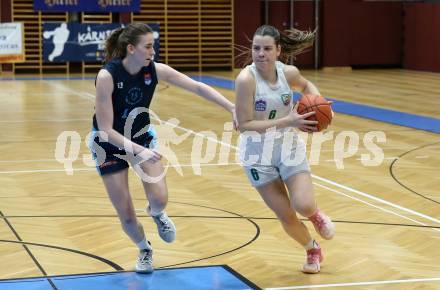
(81, 41)
(87, 5)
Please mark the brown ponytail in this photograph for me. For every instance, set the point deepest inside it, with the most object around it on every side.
(111, 45)
(292, 41)
(116, 43)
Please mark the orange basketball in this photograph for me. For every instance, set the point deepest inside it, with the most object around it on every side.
(322, 108)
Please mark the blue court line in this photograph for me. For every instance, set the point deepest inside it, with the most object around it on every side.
(419, 122)
(215, 81)
(364, 111)
(388, 116)
(192, 278)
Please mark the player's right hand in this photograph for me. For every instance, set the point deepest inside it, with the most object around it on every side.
(149, 156)
(300, 121)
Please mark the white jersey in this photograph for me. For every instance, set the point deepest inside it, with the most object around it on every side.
(276, 153)
(271, 101)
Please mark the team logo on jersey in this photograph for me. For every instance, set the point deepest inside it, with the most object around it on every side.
(286, 99)
(134, 96)
(120, 85)
(260, 105)
(147, 78)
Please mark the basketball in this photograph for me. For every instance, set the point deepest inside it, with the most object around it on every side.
(322, 108)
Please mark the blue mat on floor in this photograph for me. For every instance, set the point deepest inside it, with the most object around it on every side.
(195, 278)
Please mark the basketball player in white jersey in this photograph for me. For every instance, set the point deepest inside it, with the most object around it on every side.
(266, 116)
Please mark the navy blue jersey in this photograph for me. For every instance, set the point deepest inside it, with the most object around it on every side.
(131, 93)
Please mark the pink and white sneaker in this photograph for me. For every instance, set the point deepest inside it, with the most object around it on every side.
(314, 260)
(323, 225)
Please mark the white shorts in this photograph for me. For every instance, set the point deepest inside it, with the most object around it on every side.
(272, 158)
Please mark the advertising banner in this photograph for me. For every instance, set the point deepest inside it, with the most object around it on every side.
(78, 42)
(11, 42)
(87, 5)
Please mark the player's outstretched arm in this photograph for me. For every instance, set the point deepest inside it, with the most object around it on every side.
(168, 74)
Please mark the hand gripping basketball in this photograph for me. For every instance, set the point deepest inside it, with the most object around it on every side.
(319, 105)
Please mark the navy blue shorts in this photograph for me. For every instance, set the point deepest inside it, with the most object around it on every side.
(109, 158)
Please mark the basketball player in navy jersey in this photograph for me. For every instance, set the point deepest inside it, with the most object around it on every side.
(124, 89)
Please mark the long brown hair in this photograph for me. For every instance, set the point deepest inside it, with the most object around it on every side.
(116, 43)
(292, 41)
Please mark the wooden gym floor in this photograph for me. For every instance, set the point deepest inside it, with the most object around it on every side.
(387, 215)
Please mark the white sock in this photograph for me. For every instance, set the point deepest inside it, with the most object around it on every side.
(144, 245)
(151, 213)
(312, 244)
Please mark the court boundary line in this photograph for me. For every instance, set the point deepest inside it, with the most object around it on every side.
(358, 192)
(379, 282)
(375, 206)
